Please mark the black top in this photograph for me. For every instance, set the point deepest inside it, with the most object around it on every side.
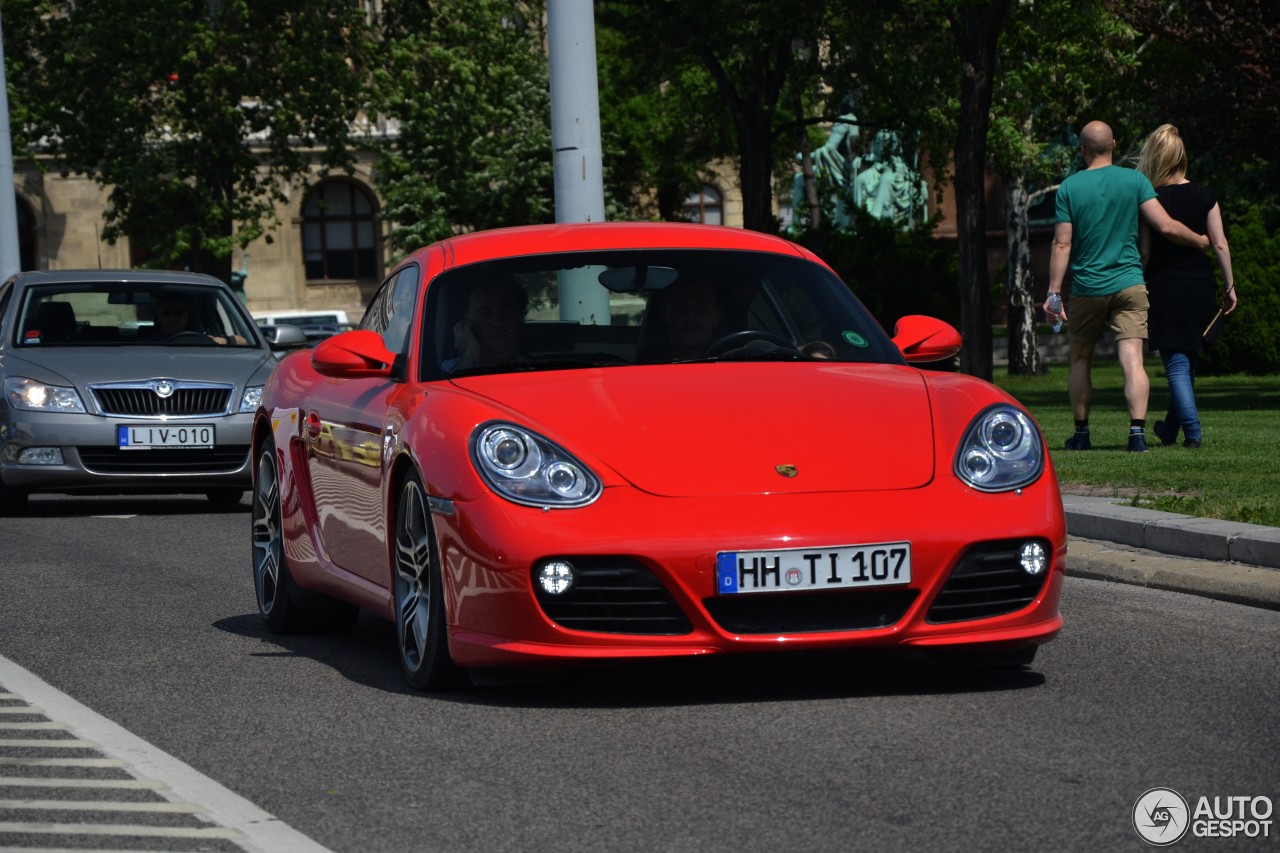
(1189, 204)
(1180, 279)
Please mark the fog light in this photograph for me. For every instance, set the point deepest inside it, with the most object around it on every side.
(555, 577)
(40, 456)
(1033, 558)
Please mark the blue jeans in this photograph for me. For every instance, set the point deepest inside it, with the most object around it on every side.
(1180, 369)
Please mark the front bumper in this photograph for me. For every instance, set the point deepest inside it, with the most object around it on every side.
(92, 462)
(489, 549)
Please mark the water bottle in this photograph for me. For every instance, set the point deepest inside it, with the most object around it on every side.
(1055, 310)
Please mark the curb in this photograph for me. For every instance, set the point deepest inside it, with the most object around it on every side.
(1223, 560)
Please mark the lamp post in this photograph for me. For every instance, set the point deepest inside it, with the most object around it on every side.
(10, 256)
(575, 139)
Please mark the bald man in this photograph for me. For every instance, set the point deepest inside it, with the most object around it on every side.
(1096, 236)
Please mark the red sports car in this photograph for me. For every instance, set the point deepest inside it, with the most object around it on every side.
(553, 444)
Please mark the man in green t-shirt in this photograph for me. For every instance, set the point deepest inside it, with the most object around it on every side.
(1096, 235)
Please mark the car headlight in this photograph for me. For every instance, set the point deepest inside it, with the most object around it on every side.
(32, 396)
(1001, 450)
(528, 469)
(252, 397)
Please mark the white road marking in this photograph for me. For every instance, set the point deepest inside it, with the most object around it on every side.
(132, 784)
(119, 829)
(239, 820)
(99, 806)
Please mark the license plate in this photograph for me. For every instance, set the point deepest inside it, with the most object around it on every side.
(149, 436)
(846, 567)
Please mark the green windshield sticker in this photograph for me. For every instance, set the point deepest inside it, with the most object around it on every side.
(856, 339)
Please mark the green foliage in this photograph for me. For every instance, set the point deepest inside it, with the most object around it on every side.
(196, 114)
(1250, 342)
(467, 82)
(654, 156)
(896, 273)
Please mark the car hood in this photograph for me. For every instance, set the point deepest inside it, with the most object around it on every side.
(719, 429)
(83, 366)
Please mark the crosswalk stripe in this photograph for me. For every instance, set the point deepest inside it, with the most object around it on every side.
(117, 829)
(99, 806)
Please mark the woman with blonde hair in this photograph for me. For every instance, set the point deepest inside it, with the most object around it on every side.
(1180, 280)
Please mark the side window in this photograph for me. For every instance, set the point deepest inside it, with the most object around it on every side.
(390, 312)
(404, 298)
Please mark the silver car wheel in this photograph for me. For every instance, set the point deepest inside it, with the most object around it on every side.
(413, 575)
(421, 633)
(267, 539)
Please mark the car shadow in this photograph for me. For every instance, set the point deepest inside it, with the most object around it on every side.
(85, 506)
(366, 655)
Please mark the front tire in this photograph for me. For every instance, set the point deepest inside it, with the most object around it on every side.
(285, 607)
(421, 634)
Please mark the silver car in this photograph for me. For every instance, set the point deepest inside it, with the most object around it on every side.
(127, 381)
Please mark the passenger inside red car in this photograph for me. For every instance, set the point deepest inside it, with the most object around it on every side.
(489, 331)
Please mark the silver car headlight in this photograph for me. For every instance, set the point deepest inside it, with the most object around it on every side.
(32, 396)
(526, 468)
(1001, 450)
(252, 397)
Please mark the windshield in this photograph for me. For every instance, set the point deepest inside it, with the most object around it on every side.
(652, 306)
(131, 314)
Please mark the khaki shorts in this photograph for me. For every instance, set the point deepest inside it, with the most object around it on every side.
(1125, 313)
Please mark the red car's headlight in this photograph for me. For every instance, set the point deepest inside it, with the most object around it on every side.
(1001, 450)
(526, 468)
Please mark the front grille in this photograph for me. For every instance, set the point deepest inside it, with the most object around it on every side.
(988, 581)
(615, 595)
(809, 612)
(220, 460)
(141, 400)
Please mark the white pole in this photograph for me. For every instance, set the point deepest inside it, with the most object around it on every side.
(575, 138)
(10, 256)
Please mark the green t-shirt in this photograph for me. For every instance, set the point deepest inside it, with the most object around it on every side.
(1102, 207)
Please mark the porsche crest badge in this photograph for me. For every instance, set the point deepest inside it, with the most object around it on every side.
(787, 471)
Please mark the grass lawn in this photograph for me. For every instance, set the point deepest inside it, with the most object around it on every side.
(1234, 476)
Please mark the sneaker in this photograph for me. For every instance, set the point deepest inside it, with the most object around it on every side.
(1166, 438)
(1192, 443)
(1079, 441)
(1137, 442)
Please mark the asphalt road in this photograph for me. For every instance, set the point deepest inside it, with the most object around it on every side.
(143, 611)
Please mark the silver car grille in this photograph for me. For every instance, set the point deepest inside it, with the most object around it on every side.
(163, 398)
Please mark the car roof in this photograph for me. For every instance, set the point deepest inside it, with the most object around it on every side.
(122, 276)
(577, 237)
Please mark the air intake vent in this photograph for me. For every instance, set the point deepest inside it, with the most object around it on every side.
(988, 581)
(809, 612)
(615, 595)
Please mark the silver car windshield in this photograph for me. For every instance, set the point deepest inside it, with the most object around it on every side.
(71, 314)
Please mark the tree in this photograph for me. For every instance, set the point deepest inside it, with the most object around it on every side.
(196, 114)
(976, 29)
(654, 156)
(1214, 71)
(467, 83)
(747, 48)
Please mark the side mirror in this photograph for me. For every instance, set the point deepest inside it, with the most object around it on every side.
(922, 338)
(357, 353)
(284, 336)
